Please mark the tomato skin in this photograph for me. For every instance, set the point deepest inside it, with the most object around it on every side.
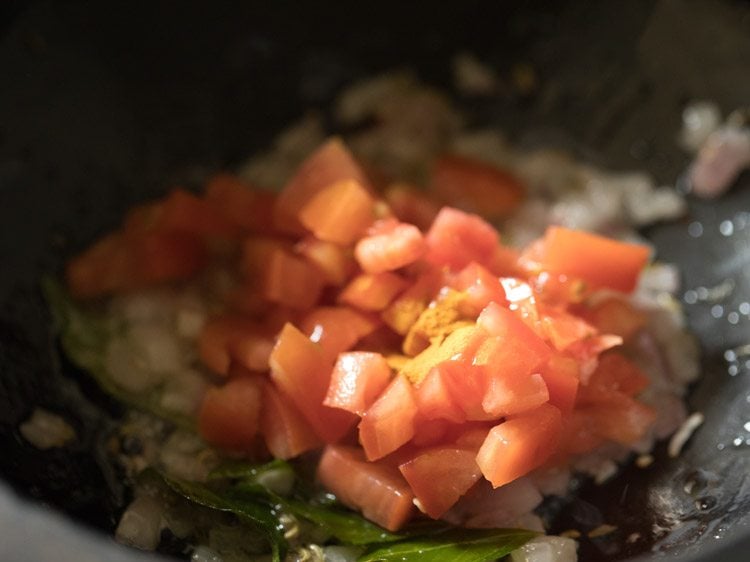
(358, 378)
(302, 372)
(519, 445)
(285, 430)
(372, 291)
(599, 261)
(229, 415)
(329, 164)
(390, 245)
(239, 203)
(337, 328)
(339, 213)
(377, 489)
(440, 476)
(456, 239)
(389, 422)
(476, 187)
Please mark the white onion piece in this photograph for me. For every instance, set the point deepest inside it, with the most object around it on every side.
(205, 554)
(699, 120)
(547, 549)
(140, 525)
(485, 507)
(724, 155)
(156, 347)
(336, 553)
(185, 456)
(46, 430)
(183, 392)
(126, 370)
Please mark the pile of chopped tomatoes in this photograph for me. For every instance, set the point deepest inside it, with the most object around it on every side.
(397, 334)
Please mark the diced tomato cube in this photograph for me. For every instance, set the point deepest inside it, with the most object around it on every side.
(256, 254)
(358, 379)
(329, 164)
(513, 350)
(334, 262)
(480, 286)
(302, 373)
(521, 444)
(389, 246)
(292, 281)
(389, 422)
(434, 398)
(372, 291)
(228, 338)
(587, 352)
(286, 432)
(616, 316)
(476, 187)
(337, 328)
(339, 213)
(440, 476)
(467, 387)
(229, 414)
(614, 373)
(411, 205)
(407, 307)
(563, 330)
(560, 375)
(600, 261)
(620, 418)
(378, 490)
(244, 206)
(184, 212)
(508, 394)
(456, 239)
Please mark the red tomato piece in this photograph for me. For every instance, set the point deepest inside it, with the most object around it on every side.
(598, 261)
(440, 476)
(507, 395)
(286, 432)
(406, 308)
(434, 398)
(616, 316)
(337, 328)
(561, 377)
(184, 212)
(513, 350)
(329, 164)
(378, 490)
(428, 433)
(563, 330)
(620, 418)
(229, 415)
(476, 187)
(522, 301)
(302, 372)
(256, 254)
(244, 206)
(456, 239)
(389, 246)
(467, 386)
(230, 338)
(372, 291)
(480, 286)
(339, 213)
(614, 373)
(101, 269)
(389, 422)
(411, 205)
(521, 444)
(292, 281)
(358, 379)
(587, 352)
(334, 262)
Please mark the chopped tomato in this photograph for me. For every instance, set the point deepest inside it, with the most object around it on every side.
(440, 476)
(256, 254)
(513, 349)
(461, 343)
(378, 490)
(563, 330)
(435, 399)
(228, 338)
(504, 262)
(372, 291)
(411, 205)
(620, 418)
(405, 309)
(286, 432)
(616, 316)
(480, 286)
(600, 261)
(184, 212)
(390, 245)
(467, 387)
(334, 262)
(329, 164)
(560, 374)
(302, 373)
(456, 239)
(614, 373)
(337, 328)
(247, 208)
(522, 301)
(587, 353)
(292, 281)
(389, 422)
(476, 187)
(358, 379)
(519, 445)
(507, 394)
(229, 414)
(430, 432)
(339, 213)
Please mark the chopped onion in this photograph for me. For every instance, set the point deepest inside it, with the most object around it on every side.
(338, 553)
(699, 120)
(140, 525)
(485, 507)
(724, 155)
(46, 430)
(205, 554)
(547, 549)
(126, 370)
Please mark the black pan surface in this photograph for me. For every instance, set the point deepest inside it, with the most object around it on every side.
(106, 104)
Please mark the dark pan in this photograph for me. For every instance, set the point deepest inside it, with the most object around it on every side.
(105, 104)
